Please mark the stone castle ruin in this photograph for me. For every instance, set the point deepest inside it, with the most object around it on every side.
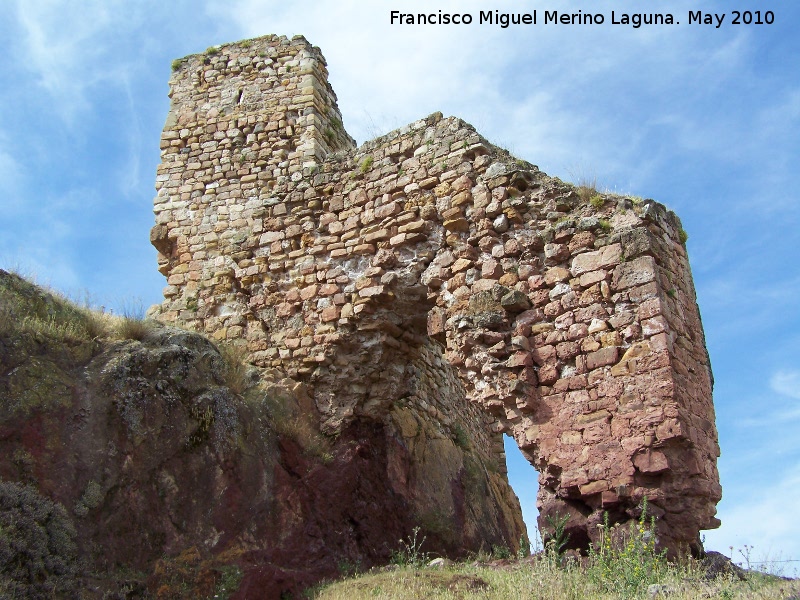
(430, 269)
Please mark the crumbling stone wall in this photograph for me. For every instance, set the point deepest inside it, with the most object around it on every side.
(429, 266)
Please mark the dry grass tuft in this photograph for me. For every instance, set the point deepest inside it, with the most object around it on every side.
(29, 309)
(132, 325)
(586, 186)
(290, 421)
(129, 328)
(236, 369)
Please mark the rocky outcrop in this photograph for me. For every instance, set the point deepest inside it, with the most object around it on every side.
(181, 471)
(431, 270)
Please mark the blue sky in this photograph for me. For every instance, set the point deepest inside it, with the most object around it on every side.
(703, 119)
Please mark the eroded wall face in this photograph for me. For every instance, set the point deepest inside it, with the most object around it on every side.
(565, 319)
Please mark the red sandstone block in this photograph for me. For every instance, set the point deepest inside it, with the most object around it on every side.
(387, 210)
(328, 289)
(330, 313)
(462, 264)
(284, 310)
(491, 269)
(380, 234)
(462, 183)
(548, 374)
(370, 292)
(553, 309)
(309, 292)
(592, 277)
(567, 350)
(594, 311)
(574, 477)
(597, 432)
(364, 249)
(555, 253)
(609, 498)
(271, 236)
(555, 275)
(592, 261)
(594, 487)
(649, 308)
(336, 203)
(653, 326)
(519, 359)
(456, 225)
(634, 273)
(398, 240)
(512, 247)
(602, 357)
(651, 461)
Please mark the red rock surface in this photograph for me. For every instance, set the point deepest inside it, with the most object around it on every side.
(175, 467)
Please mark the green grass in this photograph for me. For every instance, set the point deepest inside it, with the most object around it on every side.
(626, 561)
(624, 565)
(540, 578)
(43, 314)
(28, 309)
(460, 437)
(596, 201)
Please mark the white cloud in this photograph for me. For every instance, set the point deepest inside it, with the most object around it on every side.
(69, 48)
(10, 175)
(749, 291)
(763, 519)
(786, 383)
(46, 233)
(607, 98)
(130, 174)
(45, 268)
(529, 87)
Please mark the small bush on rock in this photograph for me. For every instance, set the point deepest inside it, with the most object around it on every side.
(410, 553)
(37, 545)
(627, 561)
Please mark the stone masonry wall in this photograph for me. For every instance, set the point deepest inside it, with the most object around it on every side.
(429, 266)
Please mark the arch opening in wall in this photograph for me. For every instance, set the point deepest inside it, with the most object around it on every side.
(524, 480)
